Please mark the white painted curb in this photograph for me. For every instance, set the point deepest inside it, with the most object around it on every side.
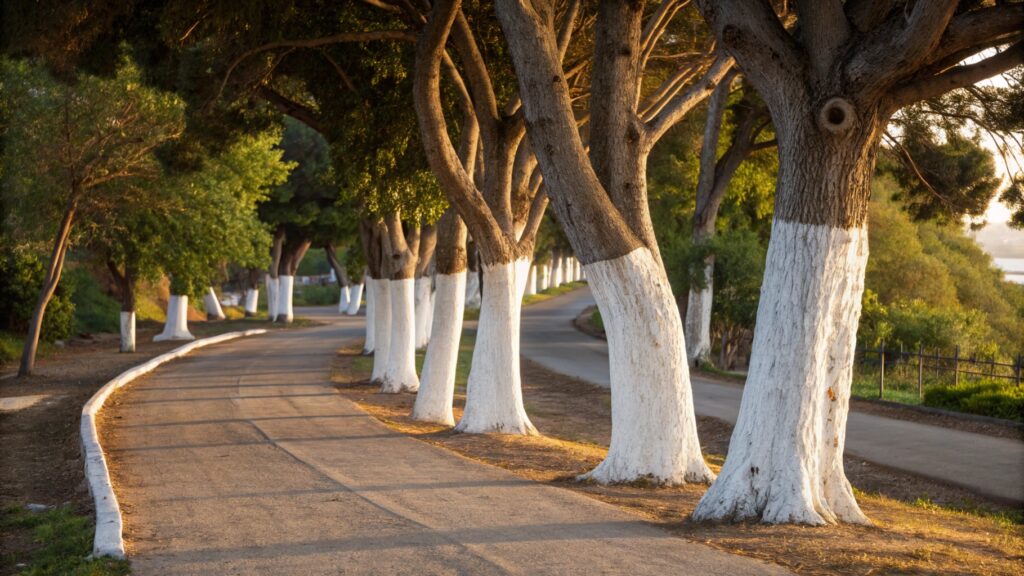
(108, 540)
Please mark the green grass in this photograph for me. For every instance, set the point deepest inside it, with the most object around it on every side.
(897, 389)
(11, 345)
(61, 542)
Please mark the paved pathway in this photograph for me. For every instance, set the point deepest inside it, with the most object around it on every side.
(988, 465)
(241, 459)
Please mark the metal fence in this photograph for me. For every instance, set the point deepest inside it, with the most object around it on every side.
(925, 364)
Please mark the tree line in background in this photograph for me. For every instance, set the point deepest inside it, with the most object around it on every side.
(727, 149)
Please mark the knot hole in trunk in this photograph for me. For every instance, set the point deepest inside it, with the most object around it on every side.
(837, 115)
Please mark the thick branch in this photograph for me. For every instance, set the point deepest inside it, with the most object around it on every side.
(823, 31)
(958, 77)
(290, 107)
(687, 100)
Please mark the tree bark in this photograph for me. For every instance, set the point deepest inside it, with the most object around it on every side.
(437, 383)
(400, 372)
(50, 281)
(601, 200)
(273, 274)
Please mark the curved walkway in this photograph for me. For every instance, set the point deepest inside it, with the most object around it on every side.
(985, 464)
(241, 459)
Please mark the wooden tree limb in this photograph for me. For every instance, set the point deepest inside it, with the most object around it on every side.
(823, 30)
(290, 107)
(685, 101)
(958, 77)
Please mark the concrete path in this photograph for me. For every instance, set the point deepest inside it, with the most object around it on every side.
(242, 459)
(988, 465)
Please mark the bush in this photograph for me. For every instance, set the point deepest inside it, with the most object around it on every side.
(23, 276)
(316, 295)
(95, 310)
(994, 399)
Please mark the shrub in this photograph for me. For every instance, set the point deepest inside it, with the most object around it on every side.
(95, 310)
(315, 295)
(23, 276)
(987, 398)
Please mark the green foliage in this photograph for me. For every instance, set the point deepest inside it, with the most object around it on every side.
(217, 221)
(929, 283)
(739, 268)
(316, 295)
(988, 398)
(23, 275)
(95, 310)
(63, 541)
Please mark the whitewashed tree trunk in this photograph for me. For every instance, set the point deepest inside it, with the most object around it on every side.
(654, 432)
(370, 342)
(544, 278)
(473, 297)
(343, 299)
(531, 282)
(381, 328)
(212, 305)
(577, 270)
(252, 300)
(286, 287)
(698, 320)
(799, 380)
(127, 331)
(424, 311)
(494, 396)
(400, 373)
(272, 292)
(557, 272)
(437, 385)
(570, 270)
(355, 300)
(176, 325)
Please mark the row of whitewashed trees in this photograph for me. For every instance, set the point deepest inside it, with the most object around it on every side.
(522, 102)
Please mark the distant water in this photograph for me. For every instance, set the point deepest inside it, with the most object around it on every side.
(1013, 267)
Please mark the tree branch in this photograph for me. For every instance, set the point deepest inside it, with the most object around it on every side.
(958, 77)
(685, 101)
(287, 106)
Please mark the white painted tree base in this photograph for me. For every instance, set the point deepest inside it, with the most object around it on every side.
(557, 273)
(531, 282)
(494, 395)
(286, 289)
(355, 300)
(785, 461)
(370, 342)
(381, 328)
(127, 331)
(654, 429)
(424, 311)
(698, 321)
(176, 325)
(343, 297)
(437, 384)
(400, 373)
(252, 299)
(272, 290)
(545, 277)
(212, 305)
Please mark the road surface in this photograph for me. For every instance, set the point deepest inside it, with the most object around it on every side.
(990, 466)
(242, 459)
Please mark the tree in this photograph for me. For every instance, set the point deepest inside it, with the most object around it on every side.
(750, 119)
(74, 150)
(831, 81)
(601, 198)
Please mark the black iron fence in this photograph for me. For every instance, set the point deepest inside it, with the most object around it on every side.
(924, 365)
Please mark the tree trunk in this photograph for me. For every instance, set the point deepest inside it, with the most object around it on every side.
(355, 299)
(176, 324)
(494, 399)
(424, 292)
(212, 305)
(437, 384)
(344, 298)
(602, 201)
(403, 248)
(291, 258)
(785, 457)
(531, 281)
(50, 281)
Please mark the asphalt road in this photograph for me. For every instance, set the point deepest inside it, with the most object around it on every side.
(985, 464)
(242, 459)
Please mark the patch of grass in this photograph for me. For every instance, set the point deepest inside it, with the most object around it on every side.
(62, 540)
(95, 310)
(865, 385)
(11, 345)
(551, 293)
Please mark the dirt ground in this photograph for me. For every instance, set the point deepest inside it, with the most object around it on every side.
(915, 527)
(40, 462)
